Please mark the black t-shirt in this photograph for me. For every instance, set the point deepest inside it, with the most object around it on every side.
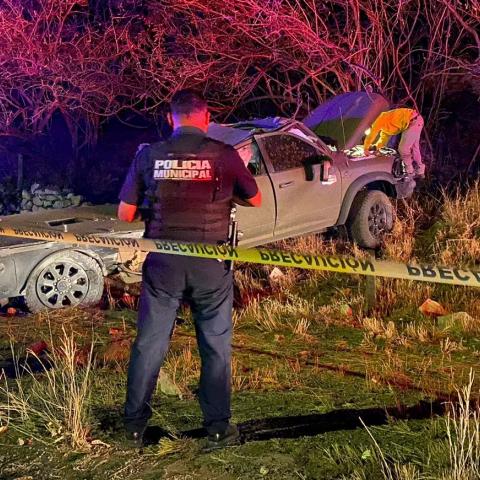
(236, 181)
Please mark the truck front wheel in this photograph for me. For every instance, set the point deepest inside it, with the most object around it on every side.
(64, 279)
(370, 218)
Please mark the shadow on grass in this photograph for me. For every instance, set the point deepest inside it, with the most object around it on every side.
(310, 425)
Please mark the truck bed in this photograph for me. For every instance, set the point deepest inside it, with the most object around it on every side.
(100, 219)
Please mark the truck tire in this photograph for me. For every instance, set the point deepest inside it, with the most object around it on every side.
(370, 218)
(64, 279)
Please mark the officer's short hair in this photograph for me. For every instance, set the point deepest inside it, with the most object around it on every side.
(187, 101)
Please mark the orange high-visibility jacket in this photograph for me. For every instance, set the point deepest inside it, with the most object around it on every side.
(388, 124)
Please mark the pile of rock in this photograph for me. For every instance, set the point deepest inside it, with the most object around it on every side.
(38, 198)
(9, 198)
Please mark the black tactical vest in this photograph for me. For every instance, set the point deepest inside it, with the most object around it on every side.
(186, 195)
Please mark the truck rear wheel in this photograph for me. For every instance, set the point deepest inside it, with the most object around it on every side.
(370, 218)
(64, 279)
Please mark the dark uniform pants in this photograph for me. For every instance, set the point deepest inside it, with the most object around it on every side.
(207, 286)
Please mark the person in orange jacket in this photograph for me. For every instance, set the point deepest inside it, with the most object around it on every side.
(408, 123)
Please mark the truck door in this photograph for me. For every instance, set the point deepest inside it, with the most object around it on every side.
(256, 224)
(304, 202)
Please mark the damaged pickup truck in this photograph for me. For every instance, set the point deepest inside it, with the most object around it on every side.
(313, 176)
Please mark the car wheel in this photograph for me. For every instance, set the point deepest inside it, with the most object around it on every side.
(64, 279)
(371, 217)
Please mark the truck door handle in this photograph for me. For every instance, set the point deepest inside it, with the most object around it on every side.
(287, 184)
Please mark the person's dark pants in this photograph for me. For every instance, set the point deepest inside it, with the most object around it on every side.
(207, 286)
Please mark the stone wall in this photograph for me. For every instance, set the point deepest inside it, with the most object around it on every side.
(44, 198)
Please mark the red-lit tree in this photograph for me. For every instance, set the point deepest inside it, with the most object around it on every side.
(80, 59)
(53, 59)
(300, 51)
(295, 53)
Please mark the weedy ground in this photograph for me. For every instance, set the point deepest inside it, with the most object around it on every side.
(322, 388)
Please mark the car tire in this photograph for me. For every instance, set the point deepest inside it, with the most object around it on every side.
(64, 279)
(371, 217)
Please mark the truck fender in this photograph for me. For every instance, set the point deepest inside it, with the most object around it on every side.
(384, 179)
(96, 257)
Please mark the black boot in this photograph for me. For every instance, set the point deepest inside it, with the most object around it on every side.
(230, 436)
(134, 439)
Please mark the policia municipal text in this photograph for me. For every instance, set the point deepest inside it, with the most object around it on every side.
(187, 184)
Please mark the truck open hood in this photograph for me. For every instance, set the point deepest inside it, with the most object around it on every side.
(345, 117)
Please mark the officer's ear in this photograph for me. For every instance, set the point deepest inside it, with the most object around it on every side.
(170, 119)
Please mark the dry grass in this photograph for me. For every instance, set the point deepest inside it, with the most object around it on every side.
(239, 377)
(309, 244)
(443, 231)
(453, 239)
(463, 431)
(449, 346)
(301, 326)
(400, 243)
(466, 300)
(247, 278)
(390, 368)
(260, 378)
(466, 322)
(449, 227)
(458, 241)
(315, 244)
(420, 333)
(266, 318)
(183, 368)
(171, 446)
(53, 407)
(462, 446)
(393, 294)
(377, 329)
(272, 314)
(264, 378)
(81, 321)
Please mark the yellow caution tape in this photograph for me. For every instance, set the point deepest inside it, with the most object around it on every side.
(330, 263)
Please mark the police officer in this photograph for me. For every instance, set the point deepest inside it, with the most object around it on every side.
(188, 184)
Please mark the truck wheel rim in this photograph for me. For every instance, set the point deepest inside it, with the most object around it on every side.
(62, 284)
(377, 220)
